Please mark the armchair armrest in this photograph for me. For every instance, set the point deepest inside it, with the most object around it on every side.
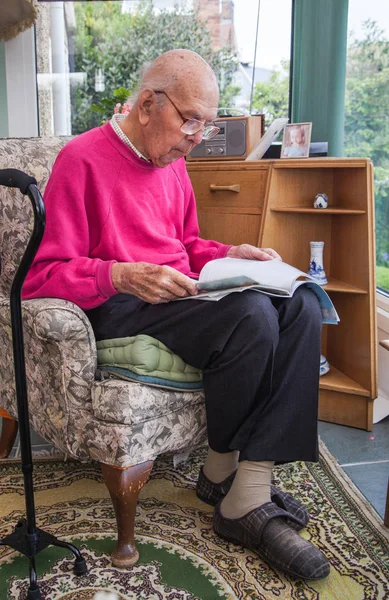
(58, 320)
(65, 325)
(58, 341)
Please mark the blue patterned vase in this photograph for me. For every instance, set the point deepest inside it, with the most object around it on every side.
(316, 268)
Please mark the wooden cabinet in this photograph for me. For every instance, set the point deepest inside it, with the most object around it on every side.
(274, 208)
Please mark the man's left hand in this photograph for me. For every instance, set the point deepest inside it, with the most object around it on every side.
(253, 253)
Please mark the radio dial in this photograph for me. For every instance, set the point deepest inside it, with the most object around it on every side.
(209, 150)
(221, 150)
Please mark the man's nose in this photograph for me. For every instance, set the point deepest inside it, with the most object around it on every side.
(196, 138)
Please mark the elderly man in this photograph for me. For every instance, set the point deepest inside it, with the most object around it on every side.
(122, 241)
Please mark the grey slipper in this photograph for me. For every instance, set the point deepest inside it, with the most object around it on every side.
(265, 531)
(212, 493)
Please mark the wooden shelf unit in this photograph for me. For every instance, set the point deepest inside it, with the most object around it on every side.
(272, 206)
(347, 228)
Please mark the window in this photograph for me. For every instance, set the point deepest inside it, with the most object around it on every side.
(89, 54)
(367, 111)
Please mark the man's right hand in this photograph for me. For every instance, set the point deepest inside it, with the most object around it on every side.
(151, 283)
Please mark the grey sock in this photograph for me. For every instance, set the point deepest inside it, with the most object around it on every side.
(218, 466)
(283, 544)
(251, 488)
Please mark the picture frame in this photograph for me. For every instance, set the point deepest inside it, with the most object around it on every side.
(296, 140)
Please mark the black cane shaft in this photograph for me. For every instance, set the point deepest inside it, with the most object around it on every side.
(22, 405)
(18, 351)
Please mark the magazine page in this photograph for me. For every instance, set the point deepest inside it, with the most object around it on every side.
(237, 283)
(328, 311)
(219, 293)
(267, 273)
(223, 276)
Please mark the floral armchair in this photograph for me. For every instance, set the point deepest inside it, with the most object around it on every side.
(122, 425)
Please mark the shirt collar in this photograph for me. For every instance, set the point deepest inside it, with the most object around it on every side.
(114, 122)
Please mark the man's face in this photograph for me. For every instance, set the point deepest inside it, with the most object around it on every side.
(164, 140)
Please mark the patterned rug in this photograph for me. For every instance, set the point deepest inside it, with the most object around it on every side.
(180, 556)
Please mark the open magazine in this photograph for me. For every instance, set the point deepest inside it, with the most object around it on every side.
(272, 277)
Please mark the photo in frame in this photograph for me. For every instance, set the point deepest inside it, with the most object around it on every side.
(296, 140)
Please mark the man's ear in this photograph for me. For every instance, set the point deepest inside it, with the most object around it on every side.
(146, 104)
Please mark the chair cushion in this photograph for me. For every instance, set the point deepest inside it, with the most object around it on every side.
(120, 402)
(145, 359)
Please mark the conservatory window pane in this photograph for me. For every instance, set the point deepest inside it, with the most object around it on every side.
(367, 110)
(89, 54)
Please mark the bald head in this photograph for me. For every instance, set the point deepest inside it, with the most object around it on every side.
(182, 72)
(178, 87)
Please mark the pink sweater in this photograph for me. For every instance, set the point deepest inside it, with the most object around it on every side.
(104, 204)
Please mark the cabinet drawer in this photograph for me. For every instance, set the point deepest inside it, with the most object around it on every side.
(235, 189)
(230, 228)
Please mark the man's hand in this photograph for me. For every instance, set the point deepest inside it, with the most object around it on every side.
(151, 283)
(253, 253)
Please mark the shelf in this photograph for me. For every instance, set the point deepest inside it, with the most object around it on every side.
(321, 163)
(250, 210)
(318, 211)
(336, 381)
(336, 285)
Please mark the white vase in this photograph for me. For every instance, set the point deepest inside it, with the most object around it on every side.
(324, 365)
(316, 266)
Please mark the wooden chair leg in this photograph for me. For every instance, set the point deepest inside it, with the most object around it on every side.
(8, 433)
(124, 486)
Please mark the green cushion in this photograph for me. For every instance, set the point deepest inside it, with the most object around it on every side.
(146, 356)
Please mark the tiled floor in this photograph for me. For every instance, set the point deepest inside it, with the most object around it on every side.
(364, 455)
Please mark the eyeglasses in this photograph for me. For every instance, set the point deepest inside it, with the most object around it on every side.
(192, 126)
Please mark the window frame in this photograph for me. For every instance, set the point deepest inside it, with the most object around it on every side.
(22, 88)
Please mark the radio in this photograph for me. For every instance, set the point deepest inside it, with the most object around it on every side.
(235, 140)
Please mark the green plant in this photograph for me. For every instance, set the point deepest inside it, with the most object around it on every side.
(119, 44)
(367, 122)
(382, 277)
(272, 97)
(117, 103)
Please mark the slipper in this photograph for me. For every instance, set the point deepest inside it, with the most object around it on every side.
(212, 493)
(283, 550)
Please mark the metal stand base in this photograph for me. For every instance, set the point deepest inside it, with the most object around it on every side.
(34, 594)
(31, 544)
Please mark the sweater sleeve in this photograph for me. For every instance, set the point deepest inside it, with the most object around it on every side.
(63, 267)
(200, 251)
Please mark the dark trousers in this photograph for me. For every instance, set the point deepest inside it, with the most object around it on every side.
(260, 358)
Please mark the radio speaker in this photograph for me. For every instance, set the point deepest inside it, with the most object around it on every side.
(237, 137)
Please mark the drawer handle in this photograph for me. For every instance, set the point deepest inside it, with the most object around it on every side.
(235, 187)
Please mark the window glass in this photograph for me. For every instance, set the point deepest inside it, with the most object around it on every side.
(89, 54)
(264, 52)
(367, 110)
